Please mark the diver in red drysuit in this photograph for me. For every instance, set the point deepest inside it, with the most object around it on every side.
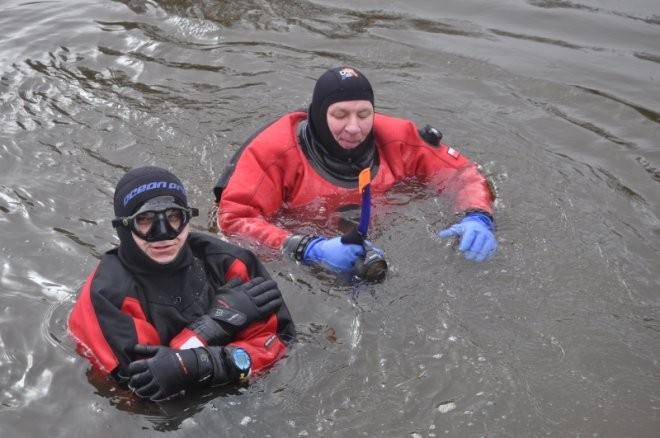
(171, 309)
(315, 157)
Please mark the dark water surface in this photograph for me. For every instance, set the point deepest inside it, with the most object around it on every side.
(559, 101)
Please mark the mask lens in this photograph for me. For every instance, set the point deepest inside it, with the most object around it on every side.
(177, 218)
(143, 222)
(166, 224)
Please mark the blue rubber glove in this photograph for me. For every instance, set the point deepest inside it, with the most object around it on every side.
(332, 253)
(477, 239)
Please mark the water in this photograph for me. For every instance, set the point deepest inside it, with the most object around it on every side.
(557, 100)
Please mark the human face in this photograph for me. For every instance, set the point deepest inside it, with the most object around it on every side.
(350, 122)
(163, 251)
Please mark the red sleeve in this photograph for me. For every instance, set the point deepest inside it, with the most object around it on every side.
(267, 340)
(86, 331)
(106, 323)
(454, 175)
(237, 269)
(263, 344)
(259, 184)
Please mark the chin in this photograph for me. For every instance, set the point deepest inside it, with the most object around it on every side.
(163, 259)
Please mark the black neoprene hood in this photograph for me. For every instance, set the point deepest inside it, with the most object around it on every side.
(335, 85)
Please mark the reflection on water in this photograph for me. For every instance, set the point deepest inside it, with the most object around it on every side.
(557, 100)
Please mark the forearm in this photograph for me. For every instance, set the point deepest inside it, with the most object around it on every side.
(202, 332)
(242, 220)
(263, 343)
(467, 188)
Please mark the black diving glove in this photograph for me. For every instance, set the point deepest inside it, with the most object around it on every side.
(236, 305)
(165, 372)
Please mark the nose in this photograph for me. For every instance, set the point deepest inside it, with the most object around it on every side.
(352, 126)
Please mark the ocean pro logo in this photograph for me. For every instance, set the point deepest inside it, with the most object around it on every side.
(151, 186)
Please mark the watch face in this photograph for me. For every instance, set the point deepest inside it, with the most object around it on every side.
(241, 359)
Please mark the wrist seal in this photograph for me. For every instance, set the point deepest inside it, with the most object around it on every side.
(295, 246)
(485, 217)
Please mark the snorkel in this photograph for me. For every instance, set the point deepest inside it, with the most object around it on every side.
(372, 267)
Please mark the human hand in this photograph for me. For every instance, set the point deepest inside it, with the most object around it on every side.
(333, 254)
(165, 372)
(238, 305)
(477, 240)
